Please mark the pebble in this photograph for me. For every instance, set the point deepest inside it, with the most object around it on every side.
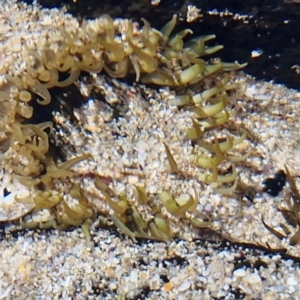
(184, 286)
(133, 276)
(254, 278)
(239, 272)
(292, 281)
(133, 180)
(168, 286)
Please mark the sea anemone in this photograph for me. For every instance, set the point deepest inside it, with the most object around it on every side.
(120, 49)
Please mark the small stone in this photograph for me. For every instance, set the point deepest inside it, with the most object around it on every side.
(184, 286)
(113, 286)
(254, 278)
(292, 281)
(239, 273)
(142, 145)
(168, 286)
(133, 179)
(16, 45)
(133, 276)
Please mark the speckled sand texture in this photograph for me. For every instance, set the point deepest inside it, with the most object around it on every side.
(62, 265)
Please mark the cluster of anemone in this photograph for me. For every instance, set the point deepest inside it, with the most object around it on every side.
(130, 222)
(153, 56)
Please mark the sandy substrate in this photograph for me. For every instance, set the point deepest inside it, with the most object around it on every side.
(62, 265)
